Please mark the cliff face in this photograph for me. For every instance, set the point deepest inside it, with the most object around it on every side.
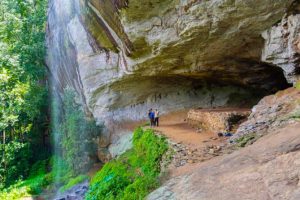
(124, 57)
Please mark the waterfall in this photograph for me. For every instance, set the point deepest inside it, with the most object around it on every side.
(80, 132)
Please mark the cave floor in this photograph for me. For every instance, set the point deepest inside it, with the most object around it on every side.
(174, 126)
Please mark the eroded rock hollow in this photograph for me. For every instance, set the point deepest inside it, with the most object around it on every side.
(124, 57)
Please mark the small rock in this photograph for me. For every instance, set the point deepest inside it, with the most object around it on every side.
(182, 162)
(190, 161)
(211, 151)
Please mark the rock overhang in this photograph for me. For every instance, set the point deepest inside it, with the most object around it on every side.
(137, 51)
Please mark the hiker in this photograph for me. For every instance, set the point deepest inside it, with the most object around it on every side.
(151, 117)
(156, 117)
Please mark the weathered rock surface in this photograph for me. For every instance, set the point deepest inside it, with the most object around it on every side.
(272, 112)
(217, 120)
(268, 169)
(282, 46)
(124, 57)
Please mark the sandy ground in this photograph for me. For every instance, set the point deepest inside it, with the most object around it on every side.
(175, 127)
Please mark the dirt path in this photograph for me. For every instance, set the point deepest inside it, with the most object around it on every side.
(191, 147)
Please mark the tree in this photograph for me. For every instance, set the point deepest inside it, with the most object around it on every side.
(23, 91)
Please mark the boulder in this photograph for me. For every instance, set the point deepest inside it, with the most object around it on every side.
(104, 155)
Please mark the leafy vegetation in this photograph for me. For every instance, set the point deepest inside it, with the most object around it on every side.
(78, 135)
(134, 174)
(37, 180)
(44, 175)
(23, 93)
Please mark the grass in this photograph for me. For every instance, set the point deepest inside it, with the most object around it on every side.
(246, 139)
(134, 174)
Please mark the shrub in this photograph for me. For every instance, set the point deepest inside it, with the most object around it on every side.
(32, 186)
(14, 162)
(134, 174)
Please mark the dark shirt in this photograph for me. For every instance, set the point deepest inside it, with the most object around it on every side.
(151, 115)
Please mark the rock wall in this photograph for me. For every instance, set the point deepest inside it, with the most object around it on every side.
(124, 57)
(282, 46)
(217, 120)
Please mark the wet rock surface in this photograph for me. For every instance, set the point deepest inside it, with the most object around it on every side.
(75, 193)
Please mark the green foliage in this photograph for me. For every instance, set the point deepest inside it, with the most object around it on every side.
(15, 162)
(23, 95)
(78, 134)
(246, 139)
(134, 174)
(32, 186)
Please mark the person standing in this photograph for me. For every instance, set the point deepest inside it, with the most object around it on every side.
(156, 118)
(151, 117)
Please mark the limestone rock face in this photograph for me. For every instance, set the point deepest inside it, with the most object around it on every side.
(124, 57)
(268, 169)
(282, 46)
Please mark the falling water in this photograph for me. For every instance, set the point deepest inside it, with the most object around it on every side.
(63, 67)
(56, 113)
